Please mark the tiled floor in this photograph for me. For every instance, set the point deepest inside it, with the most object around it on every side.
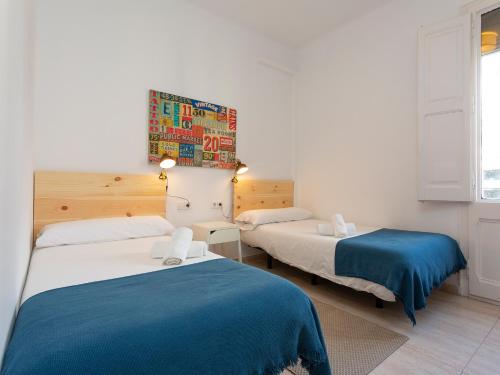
(453, 335)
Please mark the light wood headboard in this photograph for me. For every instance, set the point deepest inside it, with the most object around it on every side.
(257, 194)
(63, 196)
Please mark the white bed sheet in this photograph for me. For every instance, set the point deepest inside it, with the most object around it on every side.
(298, 244)
(60, 266)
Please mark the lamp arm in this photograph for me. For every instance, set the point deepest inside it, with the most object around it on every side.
(188, 203)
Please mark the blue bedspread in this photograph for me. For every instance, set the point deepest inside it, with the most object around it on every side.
(216, 317)
(410, 264)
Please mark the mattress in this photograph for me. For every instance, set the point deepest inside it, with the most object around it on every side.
(298, 244)
(60, 266)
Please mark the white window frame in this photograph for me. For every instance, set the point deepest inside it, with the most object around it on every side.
(477, 9)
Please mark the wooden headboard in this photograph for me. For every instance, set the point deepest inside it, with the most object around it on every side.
(63, 196)
(256, 194)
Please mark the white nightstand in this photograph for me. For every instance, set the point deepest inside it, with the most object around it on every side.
(214, 232)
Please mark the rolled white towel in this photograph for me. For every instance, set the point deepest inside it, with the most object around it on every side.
(340, 227)
(178, 247)
(197, 249)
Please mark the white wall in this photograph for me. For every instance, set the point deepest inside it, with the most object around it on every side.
(96, 60)
(16, 147)
(357, 121)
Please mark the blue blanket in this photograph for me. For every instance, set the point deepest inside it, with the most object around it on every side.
(216, 317)
(410, 264)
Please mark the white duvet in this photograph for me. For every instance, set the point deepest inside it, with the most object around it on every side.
(298, 244)
(60, 266)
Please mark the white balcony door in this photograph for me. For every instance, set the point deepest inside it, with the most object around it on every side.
(484, 267)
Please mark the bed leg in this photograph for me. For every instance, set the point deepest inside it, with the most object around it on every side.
(269, 261)
(379, 304)
(314, 279)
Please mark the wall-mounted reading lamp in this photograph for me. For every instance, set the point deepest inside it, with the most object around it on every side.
(166, 162)
(239, 168)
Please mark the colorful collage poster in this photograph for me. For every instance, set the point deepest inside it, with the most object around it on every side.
(195, 133)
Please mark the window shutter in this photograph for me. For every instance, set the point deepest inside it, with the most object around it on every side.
(444, 105)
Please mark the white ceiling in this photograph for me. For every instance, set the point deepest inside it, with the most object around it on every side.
(291, 22)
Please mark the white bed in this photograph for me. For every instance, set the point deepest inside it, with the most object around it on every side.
(60, 266)
(298, 244)
(75, 253)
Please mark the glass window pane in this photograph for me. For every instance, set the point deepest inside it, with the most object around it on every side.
(490, 105)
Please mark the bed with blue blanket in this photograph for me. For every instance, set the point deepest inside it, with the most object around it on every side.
(410, 264)
(391, 264)
(212, 317)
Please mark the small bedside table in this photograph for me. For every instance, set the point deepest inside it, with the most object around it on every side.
(214, 232)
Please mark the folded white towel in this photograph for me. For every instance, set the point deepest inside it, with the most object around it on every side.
(351, 229)
(197, 249)
(340, 227)
(158, 249)
(327, 229)
(178, 247)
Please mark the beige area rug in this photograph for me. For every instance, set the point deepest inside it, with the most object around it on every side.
(355, 345)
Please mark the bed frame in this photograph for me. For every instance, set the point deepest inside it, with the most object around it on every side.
(66, 196)
(259, 194)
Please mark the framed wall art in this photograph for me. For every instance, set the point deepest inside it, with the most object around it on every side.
(195, 133)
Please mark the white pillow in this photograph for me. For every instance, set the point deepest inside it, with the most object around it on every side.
(102, 230)
(253, 218)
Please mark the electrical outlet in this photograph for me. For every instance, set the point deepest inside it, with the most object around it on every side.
(216, 204)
